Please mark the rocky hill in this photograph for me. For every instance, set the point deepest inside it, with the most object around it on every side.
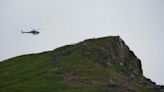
(94, 65)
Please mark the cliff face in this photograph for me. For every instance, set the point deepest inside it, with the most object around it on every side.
(116, 52)
(94, 65)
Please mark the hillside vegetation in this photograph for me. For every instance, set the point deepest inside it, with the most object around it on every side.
(94, 65)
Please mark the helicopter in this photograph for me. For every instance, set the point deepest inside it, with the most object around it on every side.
(33, 31)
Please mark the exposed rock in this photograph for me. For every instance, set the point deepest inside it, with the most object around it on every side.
(121, 64)
(105, 64)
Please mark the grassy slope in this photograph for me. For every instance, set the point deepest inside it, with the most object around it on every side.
(33, 73)
(36, 72)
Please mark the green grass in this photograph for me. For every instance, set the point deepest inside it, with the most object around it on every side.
(41, 73)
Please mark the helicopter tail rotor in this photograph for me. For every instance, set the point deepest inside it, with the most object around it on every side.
(22, 31)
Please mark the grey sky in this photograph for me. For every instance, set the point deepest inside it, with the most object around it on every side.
(140, 23)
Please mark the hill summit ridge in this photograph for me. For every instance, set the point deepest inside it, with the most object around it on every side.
(94, 65)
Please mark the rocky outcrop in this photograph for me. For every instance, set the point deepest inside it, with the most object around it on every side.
(113, 52)
(104, 64)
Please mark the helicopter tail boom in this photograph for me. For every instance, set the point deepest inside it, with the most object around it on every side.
(24, 32)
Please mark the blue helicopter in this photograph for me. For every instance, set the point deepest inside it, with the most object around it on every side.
(33, 31)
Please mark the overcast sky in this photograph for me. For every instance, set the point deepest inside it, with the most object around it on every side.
(140, 23)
